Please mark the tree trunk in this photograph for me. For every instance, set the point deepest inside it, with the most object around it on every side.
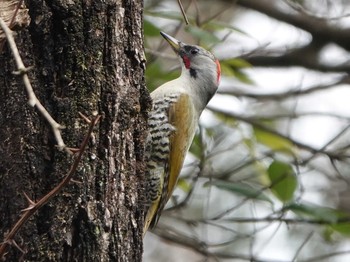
(86, 56)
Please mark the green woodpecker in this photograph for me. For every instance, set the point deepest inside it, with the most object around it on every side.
(177, 106)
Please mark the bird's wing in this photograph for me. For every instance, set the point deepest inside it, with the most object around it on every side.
(181, 116)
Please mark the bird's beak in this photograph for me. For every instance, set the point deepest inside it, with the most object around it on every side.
(174, 43)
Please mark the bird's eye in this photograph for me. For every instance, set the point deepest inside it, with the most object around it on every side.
(194, 51)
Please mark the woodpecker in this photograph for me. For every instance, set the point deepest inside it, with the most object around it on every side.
(177, 106)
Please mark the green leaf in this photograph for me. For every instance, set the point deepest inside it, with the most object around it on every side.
(184, 185)
(166, 14)
(226, 119)
(328, 234)
(197, 147)
(155, 75)
(203, 35)
(342, 228)
(243, 77)
(319, 213)
(228, 69)
(236, 63)
(150, 29)
(274, 141)
(240, 189)
(216, 26)
(283, 180)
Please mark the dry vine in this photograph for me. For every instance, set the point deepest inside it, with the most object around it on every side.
(56, 127)
(33, 100)
(34, 206)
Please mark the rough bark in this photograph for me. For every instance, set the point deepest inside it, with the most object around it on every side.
(86, 56)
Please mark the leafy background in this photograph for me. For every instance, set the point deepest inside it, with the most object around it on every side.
(267, 177)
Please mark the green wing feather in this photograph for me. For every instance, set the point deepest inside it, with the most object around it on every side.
(182, 116)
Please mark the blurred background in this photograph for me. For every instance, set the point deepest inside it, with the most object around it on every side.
(267, 177)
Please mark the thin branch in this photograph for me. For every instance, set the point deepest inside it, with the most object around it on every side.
(183, 12)
(291, 59)
(200, 247)
(332, 140)
(281, 219)
(301, 9)
(307, 56)
(34, 206)
(322, 31)
(293, 115)
(253, 196)
(33, 100)
(261, 220)
(325, 256)
(290, 93)
(175, 236)
(263, 127)
(308, 237)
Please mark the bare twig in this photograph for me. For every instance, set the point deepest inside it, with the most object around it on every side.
(325, 256)
(293, 115)
(263, 127)
(290, 93)
(284, 220)
(34, 206)
(183, 11)
(332, 140)
(329, 33)
(301, 9)
(200, 247)
(33, 100)
(308, 237)
(282, 58)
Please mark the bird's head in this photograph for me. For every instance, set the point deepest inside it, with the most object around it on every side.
(198, 64)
